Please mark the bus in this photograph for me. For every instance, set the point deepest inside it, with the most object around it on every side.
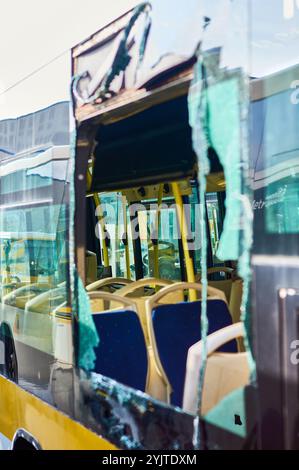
(148, 201)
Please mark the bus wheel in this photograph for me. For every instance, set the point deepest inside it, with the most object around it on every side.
(24, 441)
(22, 444)
(9, 366)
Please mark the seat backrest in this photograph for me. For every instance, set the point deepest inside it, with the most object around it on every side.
(108, 283)
(155, 385)
(175, 328)
(121, 353)
(91, 267)
(224, 285)
(236, 300)
(224, 373)
(101, 301)
(137, 291)
(138, 288)
(20, 296)
(47, 301)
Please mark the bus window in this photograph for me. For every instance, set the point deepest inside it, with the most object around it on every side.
(165, 238)
(213, 213)
(117, 231)
(34, 264)
(214, 226)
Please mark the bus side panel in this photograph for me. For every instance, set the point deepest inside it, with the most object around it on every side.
(51, 429)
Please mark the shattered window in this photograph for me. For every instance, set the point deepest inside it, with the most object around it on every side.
(167, 322)
(219, 109)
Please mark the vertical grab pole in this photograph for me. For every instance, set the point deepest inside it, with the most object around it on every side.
(97, 201)
(156, 232)
(184, 230)
(126, 240)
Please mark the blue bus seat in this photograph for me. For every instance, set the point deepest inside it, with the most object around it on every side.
(176, 327)
(121, 353)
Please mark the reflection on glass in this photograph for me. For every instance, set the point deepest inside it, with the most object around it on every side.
(274, 118)
(34, 224)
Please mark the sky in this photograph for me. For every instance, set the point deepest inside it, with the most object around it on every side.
(34, 32)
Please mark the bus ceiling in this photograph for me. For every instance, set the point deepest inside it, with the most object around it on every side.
(151, 147)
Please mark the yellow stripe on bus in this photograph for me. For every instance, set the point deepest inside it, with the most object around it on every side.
(51, 428)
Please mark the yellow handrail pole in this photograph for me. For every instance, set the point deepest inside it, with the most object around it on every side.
(127, 252)
(183, 228)
(157, 225)
(100, 217)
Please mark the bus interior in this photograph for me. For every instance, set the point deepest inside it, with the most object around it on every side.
(143, 261)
